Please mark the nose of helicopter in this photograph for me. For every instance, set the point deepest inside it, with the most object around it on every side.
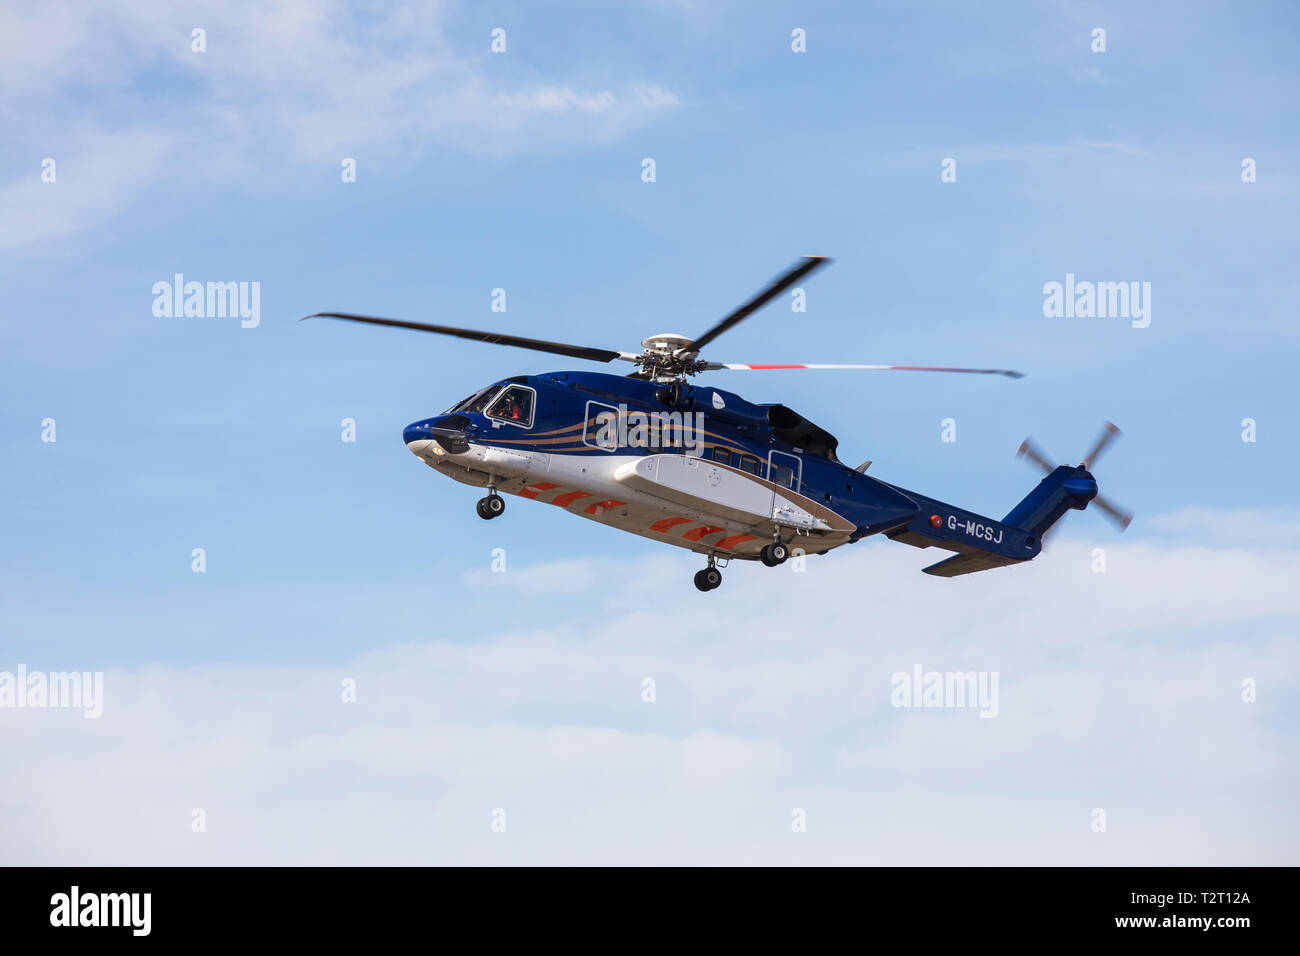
(435, 437)
(418, 437)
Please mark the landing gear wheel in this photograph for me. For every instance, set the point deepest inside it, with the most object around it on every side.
(774, 554)
(491, 506)
(708, 579)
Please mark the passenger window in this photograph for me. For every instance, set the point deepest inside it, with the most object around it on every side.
(515, 405)
(720, 454)
(750, 464)
(783, 476)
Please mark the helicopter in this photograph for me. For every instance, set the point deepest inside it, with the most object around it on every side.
(704, 469)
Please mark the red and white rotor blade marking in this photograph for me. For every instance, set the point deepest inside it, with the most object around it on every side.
(870, 368)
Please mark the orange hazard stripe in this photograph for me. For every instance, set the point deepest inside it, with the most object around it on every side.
(667, 524)
(532, 491)
(600, 505)
(735, 539)
(569, 498)
(696, 534)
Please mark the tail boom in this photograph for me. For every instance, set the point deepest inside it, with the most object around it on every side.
(980, 542)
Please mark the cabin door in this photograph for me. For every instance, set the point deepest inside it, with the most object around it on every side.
(784, 471)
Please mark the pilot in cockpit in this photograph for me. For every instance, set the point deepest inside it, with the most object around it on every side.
(515, 405)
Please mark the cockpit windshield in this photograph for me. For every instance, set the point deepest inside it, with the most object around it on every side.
(476, 402)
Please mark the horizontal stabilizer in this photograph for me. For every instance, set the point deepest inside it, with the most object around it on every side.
(969, 563)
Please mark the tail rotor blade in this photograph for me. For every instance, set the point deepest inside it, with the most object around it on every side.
(1121, 516)
(1109, 432)
(1029, 449)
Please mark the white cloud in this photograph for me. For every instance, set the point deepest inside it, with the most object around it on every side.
(97, 173)
(1240, 526)
(559, 100)
(1119, 690)
(302, 84)
(554, 99)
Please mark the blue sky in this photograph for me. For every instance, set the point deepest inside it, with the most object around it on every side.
(522, 171)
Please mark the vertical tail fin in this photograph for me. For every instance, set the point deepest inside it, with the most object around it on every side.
(1065, 487)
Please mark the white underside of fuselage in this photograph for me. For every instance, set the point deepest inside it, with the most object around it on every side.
(678, 499)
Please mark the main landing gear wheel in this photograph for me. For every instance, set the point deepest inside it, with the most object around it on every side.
(774, 554)
(708, 579)
(491, 506)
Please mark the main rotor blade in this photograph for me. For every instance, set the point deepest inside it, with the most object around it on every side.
(1029, 449)
(1109, 432)
(493, 338)
(778, 286)
(1121, 516)
(896, 368)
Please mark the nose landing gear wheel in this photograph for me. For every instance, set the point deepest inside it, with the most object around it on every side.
(774, 554)
(491, 506)
(708, 579)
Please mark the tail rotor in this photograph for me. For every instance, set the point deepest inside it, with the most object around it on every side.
(1031, 450)
(1082, 479)
(1109, 432)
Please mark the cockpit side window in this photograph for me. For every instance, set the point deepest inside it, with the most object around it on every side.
(451, 408)
(515, 406)
(476, 402)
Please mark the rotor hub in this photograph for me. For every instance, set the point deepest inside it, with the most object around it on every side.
(665, 357)
(669, 343)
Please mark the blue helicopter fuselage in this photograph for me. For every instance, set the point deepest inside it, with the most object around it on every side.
(693, 466)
